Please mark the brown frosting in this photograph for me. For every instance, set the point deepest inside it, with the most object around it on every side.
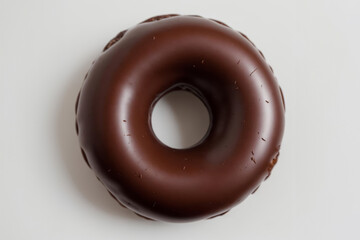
(220, 66)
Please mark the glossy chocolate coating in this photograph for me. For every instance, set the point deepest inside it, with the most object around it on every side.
(226, 71)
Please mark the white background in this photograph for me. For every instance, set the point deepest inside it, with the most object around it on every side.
(46, 190)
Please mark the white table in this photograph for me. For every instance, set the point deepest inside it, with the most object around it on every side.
(47, 192)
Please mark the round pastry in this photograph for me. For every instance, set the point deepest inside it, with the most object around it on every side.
(221, 67)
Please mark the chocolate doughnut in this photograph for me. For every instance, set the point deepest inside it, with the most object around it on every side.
(221, 67)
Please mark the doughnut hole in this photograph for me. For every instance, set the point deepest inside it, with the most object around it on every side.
(180, 120)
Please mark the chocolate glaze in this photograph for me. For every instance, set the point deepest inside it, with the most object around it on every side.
(226, 71)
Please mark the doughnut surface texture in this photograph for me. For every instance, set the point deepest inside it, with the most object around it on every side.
(221, 67)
